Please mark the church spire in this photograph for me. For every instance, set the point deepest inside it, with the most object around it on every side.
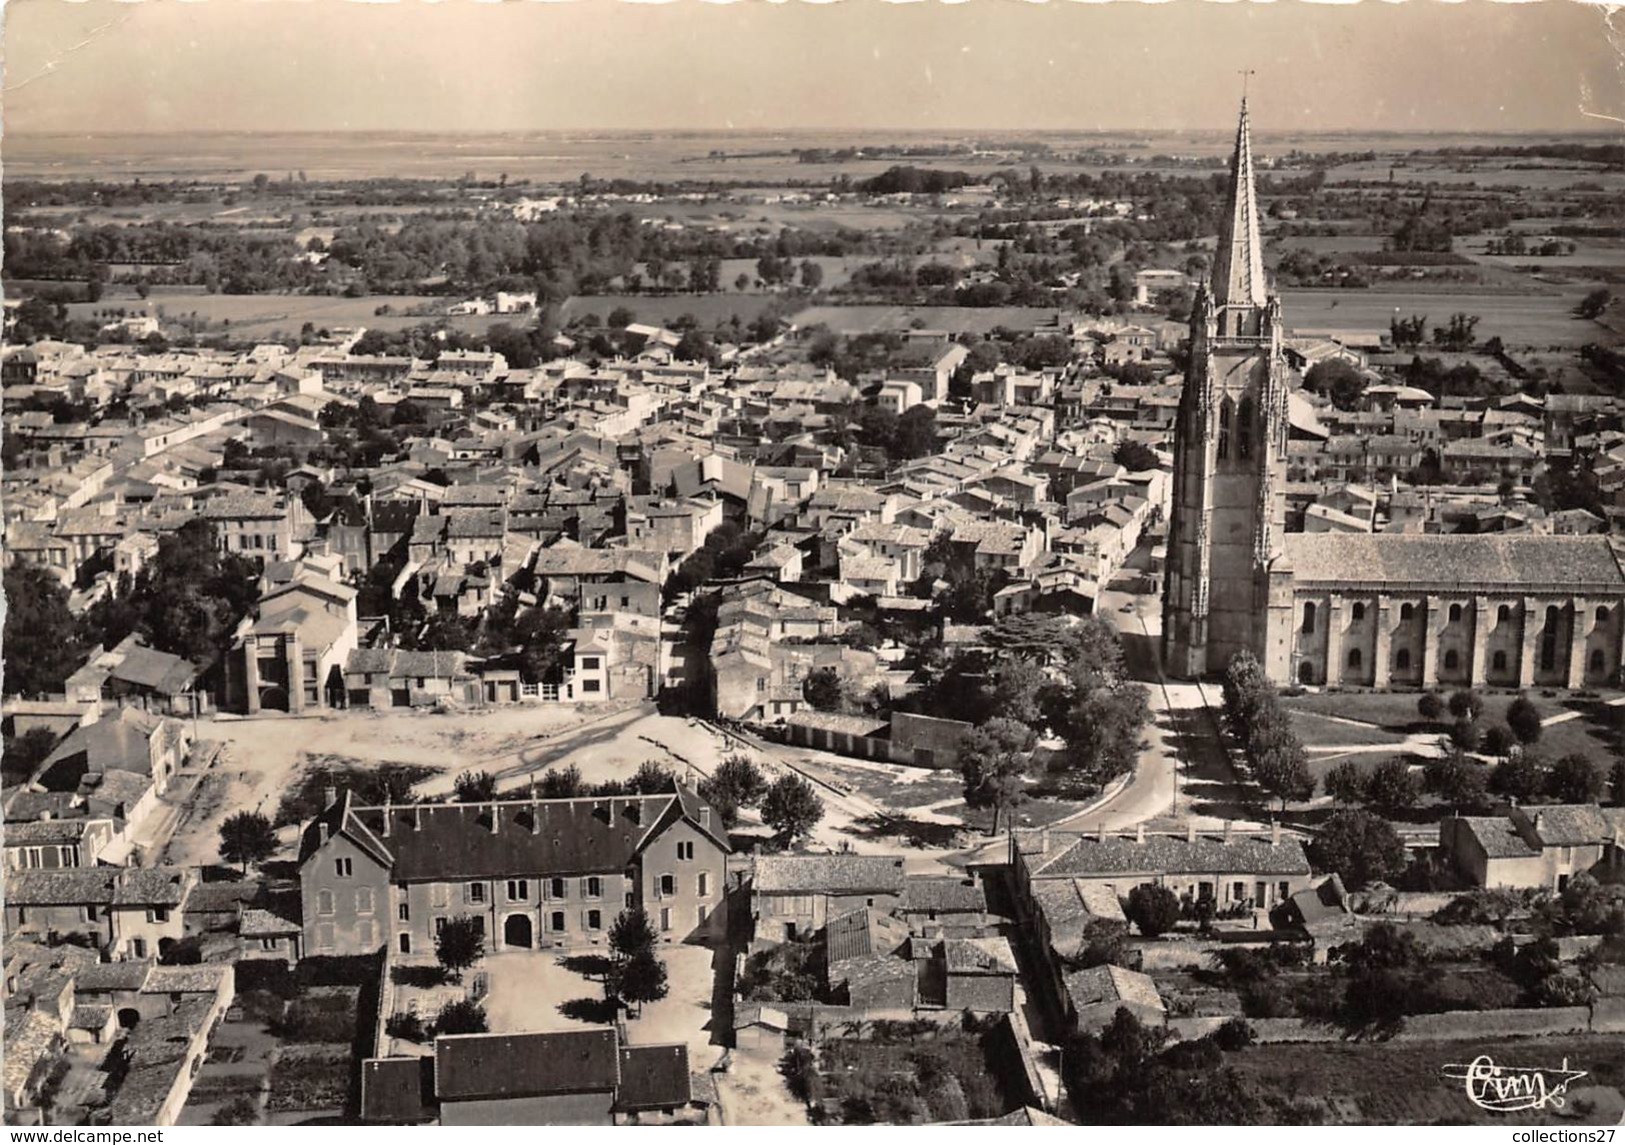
(1238, 263)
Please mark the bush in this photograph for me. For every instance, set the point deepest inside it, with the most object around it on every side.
(1464, 734)
(407, 1026)
(1523, 718)
(462, 1017)
(800, 1069)
(1499, 740)
(240, 1110)
(1234, 1035)
(1430, 706)
(1153, 909)
(1466, 704)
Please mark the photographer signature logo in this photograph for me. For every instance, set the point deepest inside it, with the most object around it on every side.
(1513, 1088)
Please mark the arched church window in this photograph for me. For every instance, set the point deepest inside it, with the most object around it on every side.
(1599, 662)
(1309, 617)
(1402, 660)
(1354, 657)
(1451, 660)
(1499, 662)
(1306, 673)
(1503, 614)
(1406, 611)
(1357, 612)
(1602, 615)
(1224, 431)
(1455, 614)
(1551, 617)
(1244, 429)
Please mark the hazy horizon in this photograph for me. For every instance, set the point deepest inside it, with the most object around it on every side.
(232, 67)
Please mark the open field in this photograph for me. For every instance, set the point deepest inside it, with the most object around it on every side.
(955, 319)
(1391, 1083)
(1518, 320)
(260, 315)
(707, 309)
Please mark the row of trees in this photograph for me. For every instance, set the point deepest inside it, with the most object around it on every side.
(1254, 715)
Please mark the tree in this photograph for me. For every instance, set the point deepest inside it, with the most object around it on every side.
(791, 808)
(41, 642)
(1282, 766)
(1519, 777)
(1466, 704)
(247, 837)
(475, 787)
(562, 783)
(1017, 688)
(1153, 909)
(1524, 719)
(1345, 783)
(823, 690)
(1499, 741)
(1574, 779)
(461, 1017)
(1338, 380)
(240, 1110)
(1134, 456)
(24, 754)
(632, 934)
(812, 274)
(1103, 730)
(653, 778)
(1455, 778)
(737, 782)
(641, 979)
(1391, 787)
(1429, 706)
(1594, 304)
(993, 761)
(1359, 846)
(460, 944)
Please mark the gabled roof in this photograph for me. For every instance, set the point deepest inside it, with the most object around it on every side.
(654, 1077)
(469, 1067)
(540, 838)
(827, 874)
(1206, 854)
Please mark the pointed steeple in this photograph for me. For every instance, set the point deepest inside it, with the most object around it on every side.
(1238, 263)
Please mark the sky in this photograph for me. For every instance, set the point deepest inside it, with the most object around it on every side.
(455, 65)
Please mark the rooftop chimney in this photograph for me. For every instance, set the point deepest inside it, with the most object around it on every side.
(322, 829)
(389, 814)
(1227, 830)
(496, 818)
(1190, 831)
(705, 815)
(1540, 821)
(417, 817)
(1100, 831)
(1139, 834)
(330, 795)
(1275, 833)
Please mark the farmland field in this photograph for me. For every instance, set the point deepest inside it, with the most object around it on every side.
(708, 309)
(1392, 1083)
(955, 319)
(261, 315)
(1518, 320)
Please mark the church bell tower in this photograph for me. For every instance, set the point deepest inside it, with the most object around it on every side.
(1227, 588)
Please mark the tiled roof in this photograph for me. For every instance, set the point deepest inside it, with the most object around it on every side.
(1177, 854)
(1499, 837)
(1112, 984)
(564, 837)
(978, 956)
(1454, 562)
(827, 874)
(862, 933)
(923, 893)
(1569, 824)
(654, 1077)
(483, 1066)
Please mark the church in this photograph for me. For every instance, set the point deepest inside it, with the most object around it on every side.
(1373, 610)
